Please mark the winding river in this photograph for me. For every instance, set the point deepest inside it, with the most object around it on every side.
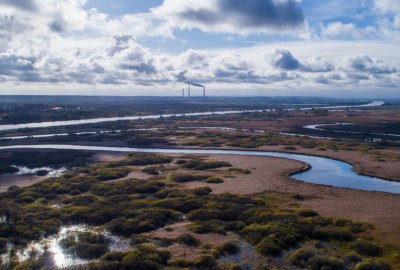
(323, 171)
(320, 127)
(130, 118)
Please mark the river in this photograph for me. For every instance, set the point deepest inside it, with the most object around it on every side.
(130, 118)
(323, 171)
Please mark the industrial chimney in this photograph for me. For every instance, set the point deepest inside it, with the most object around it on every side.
(189, 83)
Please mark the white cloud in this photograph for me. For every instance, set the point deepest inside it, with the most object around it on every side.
(363, 63)
(387, 6)
(46, 44)
(283, 59)
(232, 16)
(348, 31)
(316, 64)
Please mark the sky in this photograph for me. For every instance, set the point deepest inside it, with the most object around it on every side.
(339, 48)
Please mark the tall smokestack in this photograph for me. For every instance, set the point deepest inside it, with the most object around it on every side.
(183, 93)
(204, 91)
(189, 83)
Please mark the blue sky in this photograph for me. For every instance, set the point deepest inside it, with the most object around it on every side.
(253, 47)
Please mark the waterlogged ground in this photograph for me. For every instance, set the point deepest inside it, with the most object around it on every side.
(132, 223)
(60, 256)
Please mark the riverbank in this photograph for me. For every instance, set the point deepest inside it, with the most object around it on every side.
(270, 174)
(382, 210)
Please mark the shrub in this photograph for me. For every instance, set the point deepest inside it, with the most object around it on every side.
(367, 248)
(214, 180)
(86, 245)
(332, 234)
(28, 199)
(151, 170)
(134, 260)
(113, 256)
(205, 165)
(112, 265)
(189, 240)
(229, 248)
(301, 256)
(180, 204)
(207, 227)
(206, 261)
(74, 192)
(180, 262)
(267, 246)
(239, 170)
(307, 213)
(283, 235)
(137, 239)
(321, 262)
(202, 191)
(298, 197)
(111, 173)
(137, 159)
(150, 252)
(183, 178)
(373, 265)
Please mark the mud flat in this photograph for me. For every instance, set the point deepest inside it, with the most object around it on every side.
(7, 181)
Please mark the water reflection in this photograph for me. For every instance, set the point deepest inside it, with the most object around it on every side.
(60, 257)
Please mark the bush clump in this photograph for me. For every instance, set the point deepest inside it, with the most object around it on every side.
(137, 159)
(267, 247)
(184, 178)
(373, 265)
(229, 248)
(202, 191)
(332, 233)
(204, 164)
(307, 213)
(368, 248)
(151, 170)
(322, 262)
(214, 180)
(207, 227)
(239, 170)
(144, 257)
(205, 262)
(86, 245)
(301, 256)
(189, 240)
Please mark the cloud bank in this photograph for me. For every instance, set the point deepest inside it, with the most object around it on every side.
(61, 43)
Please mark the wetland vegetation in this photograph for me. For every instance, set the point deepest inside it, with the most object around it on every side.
(100, 196)
(163, 210)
